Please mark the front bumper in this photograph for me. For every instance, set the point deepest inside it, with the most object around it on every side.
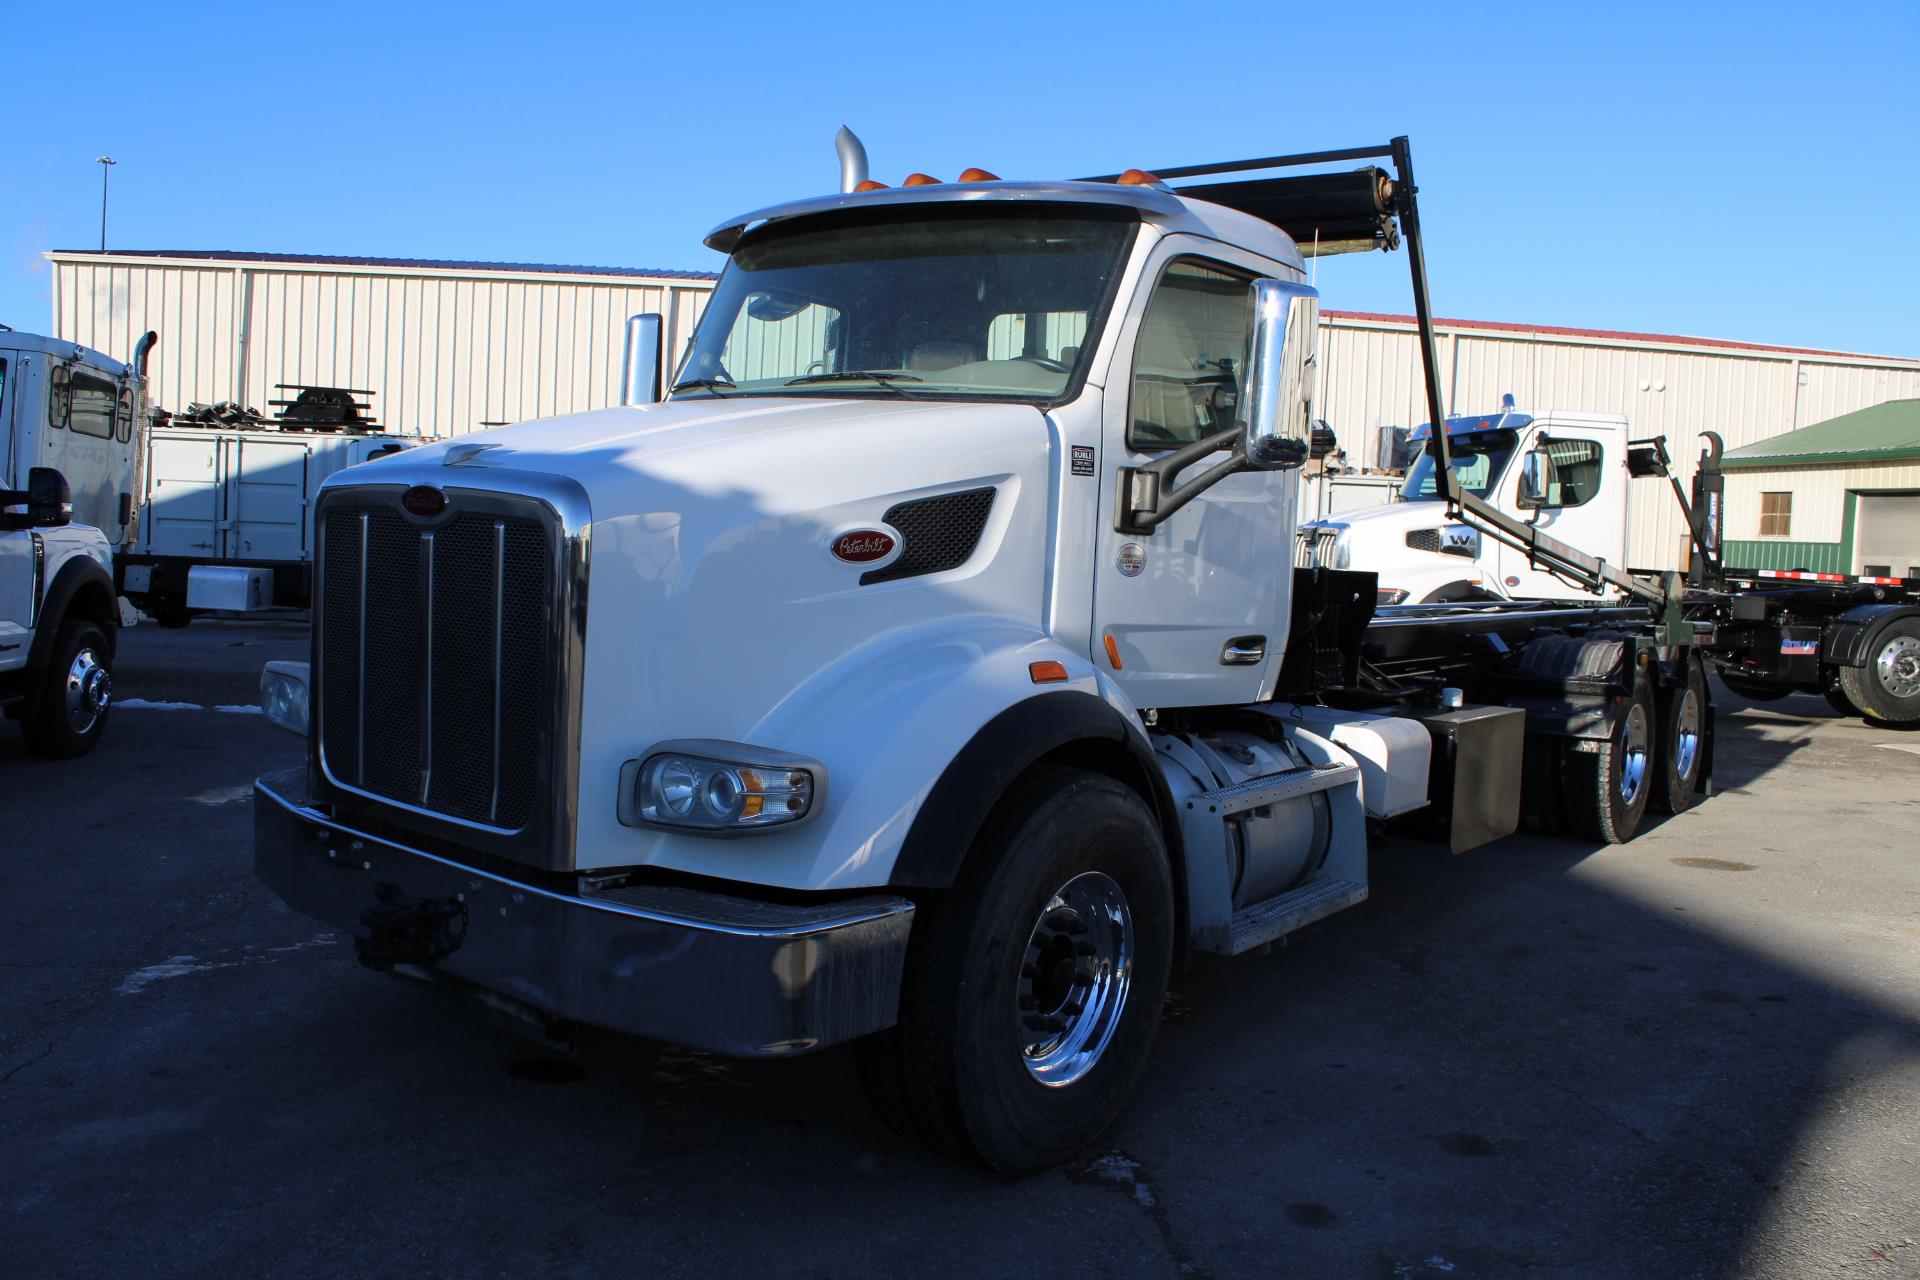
(736, 976)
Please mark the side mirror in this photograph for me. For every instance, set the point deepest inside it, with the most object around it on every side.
(640, 371)
(1536, 477)
(49, 499)
(1280, 368)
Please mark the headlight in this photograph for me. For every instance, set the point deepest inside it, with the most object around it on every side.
(283, 695)
(719, 787)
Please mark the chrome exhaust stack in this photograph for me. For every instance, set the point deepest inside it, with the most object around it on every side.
(853, 159)
(640, 370)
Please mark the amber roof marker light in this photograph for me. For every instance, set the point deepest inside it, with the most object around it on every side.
(920, 180)
(978, 175)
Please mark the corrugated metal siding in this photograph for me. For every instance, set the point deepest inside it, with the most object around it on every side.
(446, 350)
(443, 352)
(1779, 553)
(1819, 497)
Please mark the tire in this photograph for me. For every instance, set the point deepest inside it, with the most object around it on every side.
(1682, 743)
(1887, 687)
(1836, 696)
(991, 1058)
(65, 711)
(1608, 790)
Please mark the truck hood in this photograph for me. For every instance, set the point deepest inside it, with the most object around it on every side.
(713, 592)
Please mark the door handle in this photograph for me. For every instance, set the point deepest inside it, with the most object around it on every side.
(1244, 651)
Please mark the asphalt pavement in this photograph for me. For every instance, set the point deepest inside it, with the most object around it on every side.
(1697, 1054)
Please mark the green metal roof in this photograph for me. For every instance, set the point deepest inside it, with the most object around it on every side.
(1888, 432)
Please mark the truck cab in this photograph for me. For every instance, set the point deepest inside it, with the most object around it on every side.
(1563, 472)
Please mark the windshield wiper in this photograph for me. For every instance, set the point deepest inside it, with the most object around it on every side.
(714, 385)
(860, 375)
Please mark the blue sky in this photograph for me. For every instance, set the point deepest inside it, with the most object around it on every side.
(1739, 171)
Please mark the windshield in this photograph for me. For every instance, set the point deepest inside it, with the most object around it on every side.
(1478, 460)
(989, 304)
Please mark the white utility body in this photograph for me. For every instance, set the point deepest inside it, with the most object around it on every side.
(929, 668)
(1423, 556)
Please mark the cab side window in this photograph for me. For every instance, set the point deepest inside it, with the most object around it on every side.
(1191, 355)
(1574, 478)
(92, 401)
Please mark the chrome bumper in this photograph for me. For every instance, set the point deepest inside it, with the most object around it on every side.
(732, 975)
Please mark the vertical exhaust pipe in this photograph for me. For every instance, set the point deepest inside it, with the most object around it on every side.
(853, 159)
(134, 497)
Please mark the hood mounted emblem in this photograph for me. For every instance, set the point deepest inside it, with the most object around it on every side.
(866, 545)
(423, 501)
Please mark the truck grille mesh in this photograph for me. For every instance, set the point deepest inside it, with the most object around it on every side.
(433, 648)
(939, 533)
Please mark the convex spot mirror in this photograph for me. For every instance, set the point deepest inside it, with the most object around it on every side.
(1281, 364)
(49, 500)
(1536, 477)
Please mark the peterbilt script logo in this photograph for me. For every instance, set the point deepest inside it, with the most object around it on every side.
(423, 500)
(863, 546)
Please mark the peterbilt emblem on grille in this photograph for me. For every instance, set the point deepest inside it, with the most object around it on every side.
(423, 500)
(863, 546)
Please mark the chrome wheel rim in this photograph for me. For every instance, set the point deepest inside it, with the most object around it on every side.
(1074, 979)
(1898, 667)
(89, 689)
(1633, 755)
(1686, 741)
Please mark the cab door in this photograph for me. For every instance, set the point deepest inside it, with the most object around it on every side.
(16, 545)
(1194, 611)
(1584, 505)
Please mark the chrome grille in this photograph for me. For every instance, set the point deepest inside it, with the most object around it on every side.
(434, 657)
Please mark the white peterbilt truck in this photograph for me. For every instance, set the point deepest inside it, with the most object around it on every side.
(929, 668)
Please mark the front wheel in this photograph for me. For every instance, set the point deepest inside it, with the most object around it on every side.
(66, 707)
(1887, 687)
(1033, 990)
(1608, 789)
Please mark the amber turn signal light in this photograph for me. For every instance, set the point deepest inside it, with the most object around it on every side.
(1046, 672)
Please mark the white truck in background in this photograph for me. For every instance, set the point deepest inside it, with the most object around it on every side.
(1577, 490)
(70, 437)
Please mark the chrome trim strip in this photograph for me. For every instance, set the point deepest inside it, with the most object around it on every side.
(426, 651)
(499, 643)
(878, 911)
(360, 741)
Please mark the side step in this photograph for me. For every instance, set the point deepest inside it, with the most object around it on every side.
(1256, 793)
(1264, 921)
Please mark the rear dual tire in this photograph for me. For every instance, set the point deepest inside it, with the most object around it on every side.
(1033, 988)
(1886, 688)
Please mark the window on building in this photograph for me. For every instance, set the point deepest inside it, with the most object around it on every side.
(1574, 476)
(1776, 515)
(1191, 355)
(93, 400)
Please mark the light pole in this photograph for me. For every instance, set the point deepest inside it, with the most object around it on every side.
(105, 163)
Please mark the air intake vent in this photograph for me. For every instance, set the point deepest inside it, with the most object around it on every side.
(939, 533)
(1423, 539)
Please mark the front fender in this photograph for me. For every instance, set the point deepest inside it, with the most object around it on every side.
(78, 586)
(887, 721)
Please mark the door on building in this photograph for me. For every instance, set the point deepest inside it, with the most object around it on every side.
(1886, 535)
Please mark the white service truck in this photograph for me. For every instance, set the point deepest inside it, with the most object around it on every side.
(929, 669)
(69, 435)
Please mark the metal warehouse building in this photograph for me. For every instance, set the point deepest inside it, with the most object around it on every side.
(1841, 496)
(449, 347)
